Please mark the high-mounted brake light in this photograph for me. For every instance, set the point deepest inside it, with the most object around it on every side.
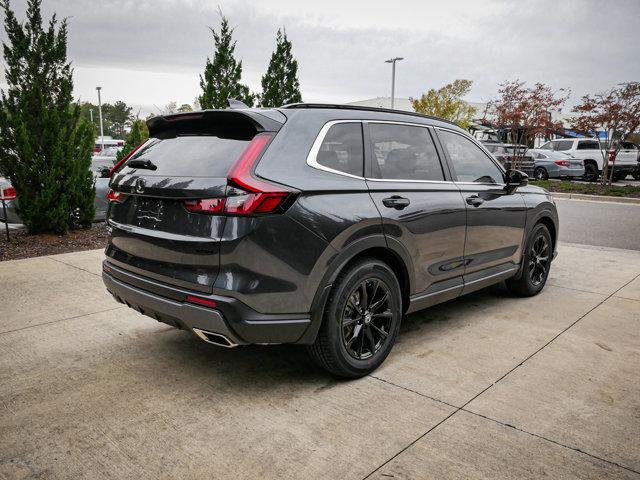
(117, 197)
(8, 193)
(117, 166)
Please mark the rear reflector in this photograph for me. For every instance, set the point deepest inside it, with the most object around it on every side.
(201, 301)
(8, 193)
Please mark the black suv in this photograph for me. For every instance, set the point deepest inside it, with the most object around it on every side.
(317, 225)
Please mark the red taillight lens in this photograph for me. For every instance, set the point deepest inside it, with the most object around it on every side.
(207, 205)
(201, 301)
(563, 163)
(8, 193)
(247, 194)
(253, 195)
(117, 166)
(115, 196)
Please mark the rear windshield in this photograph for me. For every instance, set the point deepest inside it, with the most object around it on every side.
(190, 155)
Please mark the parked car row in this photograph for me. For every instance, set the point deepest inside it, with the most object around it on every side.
(588, 150)
(568, 158)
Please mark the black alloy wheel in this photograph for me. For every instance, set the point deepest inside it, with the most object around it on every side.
(539, 260)
(360, 321)
(366, 319)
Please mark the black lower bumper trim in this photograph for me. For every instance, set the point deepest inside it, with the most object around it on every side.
(231, 318)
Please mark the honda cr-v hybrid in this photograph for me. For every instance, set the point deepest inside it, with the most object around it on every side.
(317, 225)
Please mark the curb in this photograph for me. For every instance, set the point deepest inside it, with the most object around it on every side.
(595, 198)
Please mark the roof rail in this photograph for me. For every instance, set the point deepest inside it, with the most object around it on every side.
(363, 108)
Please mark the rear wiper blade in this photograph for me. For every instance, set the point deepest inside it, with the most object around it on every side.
(141, 163)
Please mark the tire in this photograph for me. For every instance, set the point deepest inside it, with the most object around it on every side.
(636, 175)
(536, 264)
(540, 173)
(351, 342)
(591, 173)
(618, 176)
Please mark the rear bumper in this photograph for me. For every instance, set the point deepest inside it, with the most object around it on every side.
(231, 319)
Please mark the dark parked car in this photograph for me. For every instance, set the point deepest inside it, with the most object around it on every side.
(505, 154)
(317, 225)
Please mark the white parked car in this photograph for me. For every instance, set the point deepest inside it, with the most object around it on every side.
(588, 150)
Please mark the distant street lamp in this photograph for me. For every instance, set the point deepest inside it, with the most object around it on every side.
(393, 61)
(100, 115)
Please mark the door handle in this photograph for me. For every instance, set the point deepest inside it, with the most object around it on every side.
(396, 202)
(475, 200)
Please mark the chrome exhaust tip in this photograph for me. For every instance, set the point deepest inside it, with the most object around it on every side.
(214, 338)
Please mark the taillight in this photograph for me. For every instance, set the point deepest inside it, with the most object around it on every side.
(563, 163)
(8, 193)
(117, 166)
(207, 205)
(247, 194)
(117, 197)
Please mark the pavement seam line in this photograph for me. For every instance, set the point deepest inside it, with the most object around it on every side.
(74, 266)
(555, 442)
(414, 391)
(497, 381)
(61, 320)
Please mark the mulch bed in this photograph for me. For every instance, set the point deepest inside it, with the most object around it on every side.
(27, 246)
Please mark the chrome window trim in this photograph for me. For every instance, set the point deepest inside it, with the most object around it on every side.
(317, 143)
(315, 148)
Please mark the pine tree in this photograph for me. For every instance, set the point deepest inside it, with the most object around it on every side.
(139, 133)
(45, 147)
(221, 79)
(280, 84)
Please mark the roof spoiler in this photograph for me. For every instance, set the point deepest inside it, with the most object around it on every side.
(229, 123)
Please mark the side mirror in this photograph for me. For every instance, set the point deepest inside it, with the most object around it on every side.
(514, 179)
(105, 172)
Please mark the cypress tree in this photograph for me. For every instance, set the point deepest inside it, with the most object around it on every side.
(221, 79)
(139, 133)
(280, 84)
(45, 148)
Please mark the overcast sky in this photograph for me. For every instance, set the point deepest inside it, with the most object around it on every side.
(148, 52)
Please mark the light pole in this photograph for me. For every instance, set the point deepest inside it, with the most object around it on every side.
(100, 116)
(393, 61)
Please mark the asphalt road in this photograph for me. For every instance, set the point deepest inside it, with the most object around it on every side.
(604, 224)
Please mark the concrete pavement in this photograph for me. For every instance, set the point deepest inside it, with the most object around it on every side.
(482, 387)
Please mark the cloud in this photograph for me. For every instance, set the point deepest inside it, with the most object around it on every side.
(152, 51)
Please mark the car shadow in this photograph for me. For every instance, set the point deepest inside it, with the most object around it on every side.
(256, 368)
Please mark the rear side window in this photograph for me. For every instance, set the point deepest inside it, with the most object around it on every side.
(191, 155)
(342, 149)
(563, 145)
(403, 152)
(547, 146)
(589, 145)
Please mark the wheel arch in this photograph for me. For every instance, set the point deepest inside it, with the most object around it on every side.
(376, 247)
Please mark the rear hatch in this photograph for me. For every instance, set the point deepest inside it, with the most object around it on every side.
(167, 200)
